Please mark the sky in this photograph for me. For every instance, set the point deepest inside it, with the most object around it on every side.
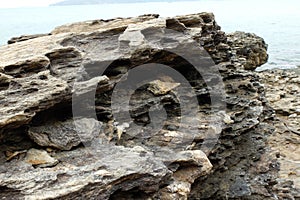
(25, 3)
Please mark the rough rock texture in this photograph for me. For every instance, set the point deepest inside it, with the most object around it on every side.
(25, 37)
(102, 25)
(249, 49)
(119, 159)
(39, 158)
(282, 91)
(63, 135)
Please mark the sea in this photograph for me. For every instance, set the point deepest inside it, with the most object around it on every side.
(277, 21)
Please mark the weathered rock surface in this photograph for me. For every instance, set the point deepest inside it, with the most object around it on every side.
(64, 135)
(282, 91)
(166, 147)
(39, 158)
(25, 37)
(249, 49)
(102, 25)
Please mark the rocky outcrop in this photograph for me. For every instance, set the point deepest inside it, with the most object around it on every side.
(282, 91)
(136, 108)
(248, 49)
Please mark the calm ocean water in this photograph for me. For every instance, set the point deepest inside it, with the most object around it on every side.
(277, 21)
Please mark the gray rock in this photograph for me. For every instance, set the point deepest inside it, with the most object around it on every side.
(76, 72)
(65, 135)
(24, 38)
(249, 49)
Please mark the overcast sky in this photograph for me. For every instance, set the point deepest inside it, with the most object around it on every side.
(25, 3)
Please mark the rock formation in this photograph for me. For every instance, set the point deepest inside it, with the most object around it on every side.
(282, 89)
(78, 120)
(248, 49)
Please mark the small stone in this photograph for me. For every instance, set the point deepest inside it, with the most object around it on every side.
(4, 79)
(293, 115)
(158, 87)
(172, 127)
(40, 158)
(119, 133)
(49, 150)
(122, 129)
(226, 118)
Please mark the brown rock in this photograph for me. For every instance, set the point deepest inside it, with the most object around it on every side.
(40, 158)
(161, 88)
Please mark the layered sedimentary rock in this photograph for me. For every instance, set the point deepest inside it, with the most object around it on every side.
(25, 37)
(93, 111)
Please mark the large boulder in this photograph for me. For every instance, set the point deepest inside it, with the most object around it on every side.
(249, 49)
(135, 108)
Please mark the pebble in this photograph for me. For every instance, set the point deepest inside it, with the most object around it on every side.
(293, 115)
(40, 158)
